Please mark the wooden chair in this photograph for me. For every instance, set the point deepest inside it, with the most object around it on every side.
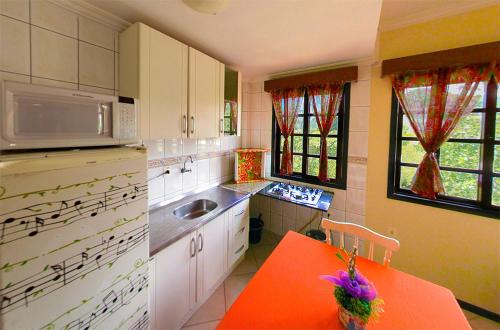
(390, 244)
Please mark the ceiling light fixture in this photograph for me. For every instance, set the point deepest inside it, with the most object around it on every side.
(207, 6)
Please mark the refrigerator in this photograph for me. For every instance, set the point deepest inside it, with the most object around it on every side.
(74, 243)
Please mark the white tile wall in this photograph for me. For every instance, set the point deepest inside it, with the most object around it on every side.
(53, 46)
(348, 205)
(204, 171)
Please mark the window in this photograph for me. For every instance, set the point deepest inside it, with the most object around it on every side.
(229, 127)
(305, 146)
(469, 161)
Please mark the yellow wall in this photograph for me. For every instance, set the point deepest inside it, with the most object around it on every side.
(453, 249)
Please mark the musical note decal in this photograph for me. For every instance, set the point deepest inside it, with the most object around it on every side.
(66, 271)
(23, 223)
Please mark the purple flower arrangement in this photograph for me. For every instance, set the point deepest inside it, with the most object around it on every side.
(356, 296)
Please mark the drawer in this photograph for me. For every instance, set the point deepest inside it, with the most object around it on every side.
(240, 216)
(239, 244)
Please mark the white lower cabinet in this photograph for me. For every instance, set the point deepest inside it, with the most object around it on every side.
(188, 271)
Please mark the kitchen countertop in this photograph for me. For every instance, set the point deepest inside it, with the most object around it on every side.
(250, 188)
(165, 228)
(323, 204)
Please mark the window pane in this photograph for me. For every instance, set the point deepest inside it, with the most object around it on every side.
(297, 164)
(412, 152)
(478, 100)
(227, 109)
(332, 167)
(282, 141)
(299, 125)
(335, 127)
(495, 197)
(461, 155)
(331, 144)
(227, 124)
(407, 129)
(498, 97)
(313, 125)
(459, 184)
(313, 166)
(496, 162)
(407, 174)
(297, 144)
(469, 127)
(313, 145)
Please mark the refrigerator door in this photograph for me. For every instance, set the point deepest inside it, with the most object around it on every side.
(74, 243)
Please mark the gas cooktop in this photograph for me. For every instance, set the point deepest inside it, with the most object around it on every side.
(296, 194)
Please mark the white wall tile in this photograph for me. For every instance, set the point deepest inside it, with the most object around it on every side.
(360, 93)
(50, 16)
(359, 119)
(189, 146)
(155, 149)
(267, 102)
(276, 206)
(96, 66)
(245, 138)
(98, 90)
(265, 139)
(18, 9)
(54, 56)
(215, 168)
(257, 86)
(245, 121)
(358, 144)
(96, 33)
(355, 218)
(14, 46)
(156, 187)
(225, 143)
(276, 223)
(255, 120)
(173, 181)
(355, 202)
(172, 147)
(339, 197)
(203, 171)
(55, 83)
(255, 138)
(267, 121)
(356, 176)
(190, 179)
(254, 100)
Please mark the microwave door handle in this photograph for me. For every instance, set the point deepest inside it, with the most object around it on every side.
(101, 121)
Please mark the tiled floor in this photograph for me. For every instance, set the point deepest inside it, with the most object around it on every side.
(210, 314)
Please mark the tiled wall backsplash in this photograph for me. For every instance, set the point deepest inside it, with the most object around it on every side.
(213, 163)
(43, 43)
(349, 204)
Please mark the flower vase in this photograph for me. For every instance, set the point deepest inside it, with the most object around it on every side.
(350, 321)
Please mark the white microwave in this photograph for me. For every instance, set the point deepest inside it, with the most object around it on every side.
(34, 117)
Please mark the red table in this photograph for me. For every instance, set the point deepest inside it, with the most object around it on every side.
(286, 293)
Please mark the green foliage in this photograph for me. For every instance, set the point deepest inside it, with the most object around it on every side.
(357, 307)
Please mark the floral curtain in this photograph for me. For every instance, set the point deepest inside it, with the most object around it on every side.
(434, 102)
(325, 102)
(286, 106)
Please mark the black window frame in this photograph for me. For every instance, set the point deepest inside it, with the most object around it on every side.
(340, 181)
(483, 206)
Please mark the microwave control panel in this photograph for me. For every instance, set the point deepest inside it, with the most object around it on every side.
(128, 121)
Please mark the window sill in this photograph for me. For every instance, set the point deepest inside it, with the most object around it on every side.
(448, 205)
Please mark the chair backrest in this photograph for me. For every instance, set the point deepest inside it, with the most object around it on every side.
(390, 244)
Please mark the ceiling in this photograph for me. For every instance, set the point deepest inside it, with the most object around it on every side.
(261, 37)
(264, 37)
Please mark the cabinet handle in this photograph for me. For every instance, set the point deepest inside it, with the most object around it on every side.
(241, 230)
(192, 125)
(239, 213)
(200, 239)
(192, 248)
(239, 250)
(184, 124)
(222, 126)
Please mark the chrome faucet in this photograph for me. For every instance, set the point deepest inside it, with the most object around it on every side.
(184, 169)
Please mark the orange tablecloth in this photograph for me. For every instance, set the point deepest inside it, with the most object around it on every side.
(286, 293)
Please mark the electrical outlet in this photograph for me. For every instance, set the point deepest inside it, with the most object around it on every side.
(393, 232)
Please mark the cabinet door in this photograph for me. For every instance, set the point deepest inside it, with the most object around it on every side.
(168, 87)
(203, 95)
(211, 246)
(151, 293)
(221, 105)
(173, 269)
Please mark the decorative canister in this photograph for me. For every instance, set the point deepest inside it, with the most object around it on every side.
(350, 321)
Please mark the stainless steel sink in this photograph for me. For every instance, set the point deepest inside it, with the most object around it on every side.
(194, 209)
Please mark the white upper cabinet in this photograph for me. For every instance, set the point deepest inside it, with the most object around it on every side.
(205, 95)
(163, 74)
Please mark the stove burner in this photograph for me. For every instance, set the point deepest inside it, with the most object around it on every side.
(296, 194)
